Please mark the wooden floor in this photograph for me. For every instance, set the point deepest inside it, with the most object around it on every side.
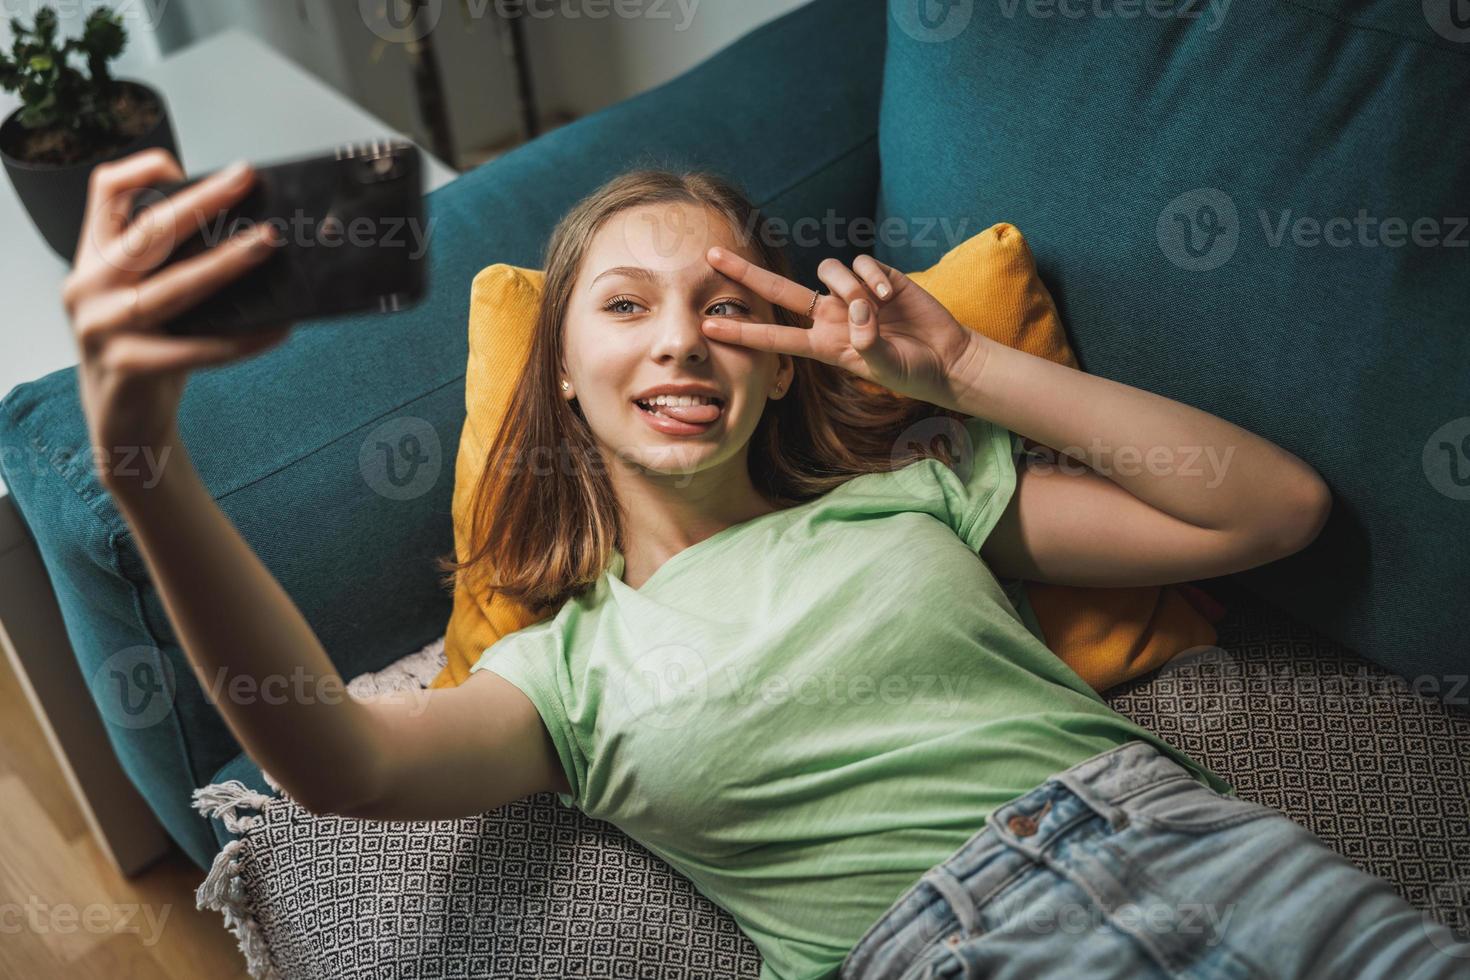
(64, 912)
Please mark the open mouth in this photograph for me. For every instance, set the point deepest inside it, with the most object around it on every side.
(681, 413)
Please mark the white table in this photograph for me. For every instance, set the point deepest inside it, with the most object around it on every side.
(230, 97)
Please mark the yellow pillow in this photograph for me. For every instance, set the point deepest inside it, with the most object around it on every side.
(989, 283)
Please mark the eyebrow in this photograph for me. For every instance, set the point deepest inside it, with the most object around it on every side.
(712, 278)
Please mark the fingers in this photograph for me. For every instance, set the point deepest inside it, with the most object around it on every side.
(139, 354)
(762, 336)
(172, 291)
(110, 191)
(843, 283)
(182, 286)
(881, 279)
(764, 283)
(160, 227)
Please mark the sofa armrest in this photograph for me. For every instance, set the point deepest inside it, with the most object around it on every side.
(304, 447)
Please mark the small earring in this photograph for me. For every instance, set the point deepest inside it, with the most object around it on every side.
(566, 385)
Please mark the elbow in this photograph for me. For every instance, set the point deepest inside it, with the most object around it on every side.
(1299, 519)
(343, 794)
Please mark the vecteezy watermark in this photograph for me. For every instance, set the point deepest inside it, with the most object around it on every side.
(298, 687)
(134, 688)
(156, 228)
(938, 694)
(932, 21)
(1200, 230)
(1450, 19)
(838, 231)
(145, 13)
(1205, 922)
(1184, 461)
(140, 465)
(1212, 11)
(675, 236)
(410, 21)
(1363, 230)
(401, 458)
(1446, 459)
(99, 918)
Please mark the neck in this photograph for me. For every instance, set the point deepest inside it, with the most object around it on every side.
(665, 513)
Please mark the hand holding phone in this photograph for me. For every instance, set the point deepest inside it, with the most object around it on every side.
(350, 237)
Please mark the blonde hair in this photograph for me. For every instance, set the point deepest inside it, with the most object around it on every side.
(542, 539)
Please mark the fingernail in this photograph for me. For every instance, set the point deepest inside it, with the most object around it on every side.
(860, 313)
(716, 254)
(235, 172)
(883, 290)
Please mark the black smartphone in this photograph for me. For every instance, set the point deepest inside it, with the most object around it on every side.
(352, 235)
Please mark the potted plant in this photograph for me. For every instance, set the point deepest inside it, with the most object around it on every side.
(69, 120)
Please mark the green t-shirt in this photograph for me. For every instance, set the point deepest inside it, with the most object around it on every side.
(805, 712)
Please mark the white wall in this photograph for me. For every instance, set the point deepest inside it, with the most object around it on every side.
(582, 65)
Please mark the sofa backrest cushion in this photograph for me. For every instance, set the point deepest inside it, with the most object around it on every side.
(1258, 207)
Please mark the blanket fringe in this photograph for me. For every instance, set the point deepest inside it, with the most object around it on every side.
(223, 892)
(222, 800)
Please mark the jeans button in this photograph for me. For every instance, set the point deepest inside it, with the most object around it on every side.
(1021, 825)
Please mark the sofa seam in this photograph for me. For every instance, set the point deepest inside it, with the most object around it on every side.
(1372, 28)
(871, 137)
(338, 438)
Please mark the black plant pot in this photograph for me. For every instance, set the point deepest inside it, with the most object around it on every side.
(55, 196)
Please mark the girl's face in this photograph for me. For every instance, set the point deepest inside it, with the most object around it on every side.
(632, 328)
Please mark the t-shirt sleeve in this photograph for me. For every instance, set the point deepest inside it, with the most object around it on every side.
(535, 663)
(974, 494)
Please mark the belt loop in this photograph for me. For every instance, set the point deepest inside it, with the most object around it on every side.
(954, 893)
(1116, 817)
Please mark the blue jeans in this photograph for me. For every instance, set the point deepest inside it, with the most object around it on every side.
(1126, 866)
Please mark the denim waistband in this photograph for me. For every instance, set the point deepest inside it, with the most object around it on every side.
(1011, 843)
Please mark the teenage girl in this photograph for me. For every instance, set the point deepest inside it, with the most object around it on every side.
(776, 531)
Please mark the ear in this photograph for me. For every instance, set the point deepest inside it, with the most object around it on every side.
(785, 374)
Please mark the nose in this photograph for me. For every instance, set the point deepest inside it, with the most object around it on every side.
(678, 338)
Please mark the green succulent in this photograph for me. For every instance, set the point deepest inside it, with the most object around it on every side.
(53, 92)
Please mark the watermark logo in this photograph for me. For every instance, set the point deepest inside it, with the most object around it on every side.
(1189, 10)
(1447, 459)
(939, 436)
(401, 458)
(1448, 914)
(1450, 19)
(401, 21)
(665, 687)
(933, 21)
(134, 688)
(1199, 230)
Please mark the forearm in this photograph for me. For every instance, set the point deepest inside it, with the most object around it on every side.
(1183, 461)
(251, 649)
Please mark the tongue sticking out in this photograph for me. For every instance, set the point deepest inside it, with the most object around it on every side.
(689, 413)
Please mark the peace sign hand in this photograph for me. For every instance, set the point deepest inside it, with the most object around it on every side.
(876, 323)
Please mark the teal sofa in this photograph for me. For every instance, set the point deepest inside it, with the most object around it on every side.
(1150, 160)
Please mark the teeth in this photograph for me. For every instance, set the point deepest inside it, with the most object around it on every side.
(678, 400)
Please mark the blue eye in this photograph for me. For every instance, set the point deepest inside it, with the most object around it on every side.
(618, 305)
(741, 307)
